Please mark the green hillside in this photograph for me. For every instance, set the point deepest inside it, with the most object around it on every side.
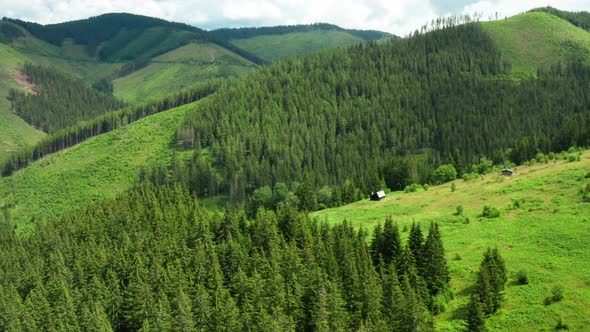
(179, 68)
(69, 57)
(276, 47)
(14, 132)
(98, 168)
(543, 229)
(538, 39)
(285, 41)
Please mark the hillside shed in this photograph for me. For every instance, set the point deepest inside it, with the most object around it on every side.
(508, 172)
(377, 196)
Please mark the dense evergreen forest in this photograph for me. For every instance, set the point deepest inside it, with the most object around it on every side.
(9, 32)
(381, 115)
(110, 121)
(58, 101)
(241, 33)
(155, 260)
(104, 35)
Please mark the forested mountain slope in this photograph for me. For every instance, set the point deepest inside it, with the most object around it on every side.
(386, 114)
(540, 231)
(57, 100)
(15, 133)
(274, 43)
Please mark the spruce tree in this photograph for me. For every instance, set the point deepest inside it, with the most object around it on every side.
(491, 281)
(376, 245)
(391, 243)
(433, 263)
(415, 241)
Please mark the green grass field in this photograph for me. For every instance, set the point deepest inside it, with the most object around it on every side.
(545, 234)
(276, 47)
(14, 131)
(182, 67)
(101, 167)
(532, 40)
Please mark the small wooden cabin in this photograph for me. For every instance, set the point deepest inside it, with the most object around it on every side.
(508, 172)
(377, 196)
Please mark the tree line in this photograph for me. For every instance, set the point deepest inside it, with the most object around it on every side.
(107, 122)
(154, 259)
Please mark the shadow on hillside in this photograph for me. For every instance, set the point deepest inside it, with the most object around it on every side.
(461, 312)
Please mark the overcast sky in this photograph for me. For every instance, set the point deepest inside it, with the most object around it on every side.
(395, 16)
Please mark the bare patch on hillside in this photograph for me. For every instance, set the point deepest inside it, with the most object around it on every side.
(23, 81)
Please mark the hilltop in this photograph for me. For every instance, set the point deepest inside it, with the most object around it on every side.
(280, 42)
(541, 230)
(536, 40)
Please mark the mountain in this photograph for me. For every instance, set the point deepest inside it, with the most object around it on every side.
(274, 43)
(400, 106)
(138, 58)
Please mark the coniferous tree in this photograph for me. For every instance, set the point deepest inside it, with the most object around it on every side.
(433, 263)
(391, 243)
(491, 280)
(415, 242)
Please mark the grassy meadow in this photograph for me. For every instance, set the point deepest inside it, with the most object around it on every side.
(543, 229)
(533, 40)
(275, 47)
(182, 67)
(101, 167)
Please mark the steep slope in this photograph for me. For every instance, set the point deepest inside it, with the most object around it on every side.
(538, 39)
(384, 113)
(275, 43)
(542, 230)
(98, 168)
(15, 133)
(174, 70)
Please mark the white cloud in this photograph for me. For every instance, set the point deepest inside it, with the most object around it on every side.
(396, 16)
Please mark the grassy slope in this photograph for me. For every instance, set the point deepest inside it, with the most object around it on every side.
(547, 236)
(70, 58)
(275, 47)
(14, 132)
(98, 168)
(533, 40)
(180, 68)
